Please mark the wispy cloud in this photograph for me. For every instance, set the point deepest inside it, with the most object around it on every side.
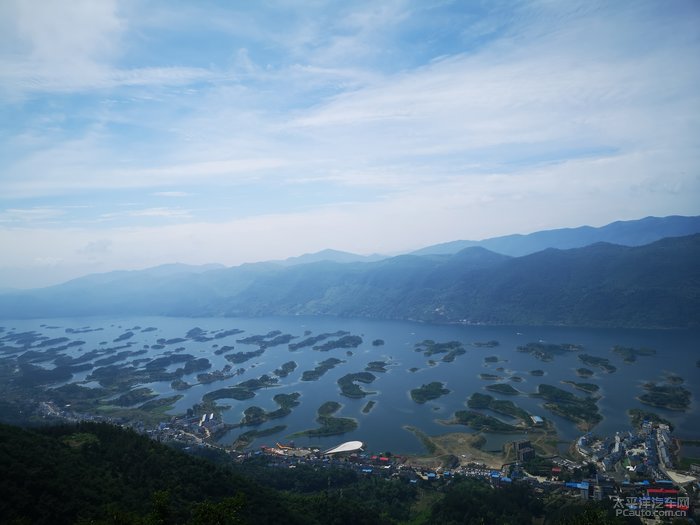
(29, 215)
(171, 194)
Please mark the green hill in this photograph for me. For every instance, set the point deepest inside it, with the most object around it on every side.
(655, 285)
(93, 473)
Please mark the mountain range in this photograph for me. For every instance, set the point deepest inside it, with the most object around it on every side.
(631, 284)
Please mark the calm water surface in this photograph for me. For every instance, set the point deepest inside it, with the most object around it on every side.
(382, 429)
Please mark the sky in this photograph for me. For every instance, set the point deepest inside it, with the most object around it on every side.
(141, 132)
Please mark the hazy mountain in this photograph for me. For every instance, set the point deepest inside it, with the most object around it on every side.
(656, 285)
(626, 233)
(332, 256)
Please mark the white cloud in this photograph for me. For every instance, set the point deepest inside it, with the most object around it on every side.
(26, 215)
(171, 194)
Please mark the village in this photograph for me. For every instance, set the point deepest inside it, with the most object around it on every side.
(634, 470)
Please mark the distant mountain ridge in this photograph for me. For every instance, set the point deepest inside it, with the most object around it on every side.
(626, 233)
(330, 255)
(655, 285)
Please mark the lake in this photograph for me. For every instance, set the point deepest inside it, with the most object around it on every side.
(382, 428)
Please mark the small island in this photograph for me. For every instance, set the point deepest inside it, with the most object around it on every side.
(428, 392)
(583, 411)
(491, 359)
(537, 373)
(546, 351)
(430, 348)
(347, 341)
(600, 362)
(286, 369)
(310, 341)
(508, 408)
(376, 366)
(321, 368)
(629, 354)
(329, 425)
(671, 397)
(254, 415)
(584, 372)
(348, 387)
(503, 388)
(489, 377)
(368, 407)
(378, 342)
(589, 388)
(244, 440)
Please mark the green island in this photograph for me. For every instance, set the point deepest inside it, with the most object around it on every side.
(413, 369)
(482, 423)
(242, 357)
(630, 354)
(450, 356)
(230, 392)
(485, 344)
(244, 440)
(286, 369)
(584, 372)
(491, 359)
(638, 415)
(347, 341)
(310, 341)
(671, 397)
(368, 407)
(600, 362)
(537, 373)
(321, 368)
(429, 392)
(506, 407)
(489, 377)
(547, 351)
(503, 388)
(582, 411)
(378, 342)
(376, 366)
(179, 384)
(516, 379)
(217, 375)
(430, 347)
(329, 425)
(241, 391)
(273, 338)
(348, 388)
(589, 388)
(255, 415)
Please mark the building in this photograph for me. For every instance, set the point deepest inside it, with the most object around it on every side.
(524, 450)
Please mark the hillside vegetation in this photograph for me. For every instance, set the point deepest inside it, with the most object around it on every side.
(656, 285)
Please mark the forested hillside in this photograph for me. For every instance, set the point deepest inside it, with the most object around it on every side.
(97, 473)
(651, 286)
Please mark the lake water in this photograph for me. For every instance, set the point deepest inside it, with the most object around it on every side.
(382, 429)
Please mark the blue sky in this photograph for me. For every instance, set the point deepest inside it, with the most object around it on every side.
(137, 133)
